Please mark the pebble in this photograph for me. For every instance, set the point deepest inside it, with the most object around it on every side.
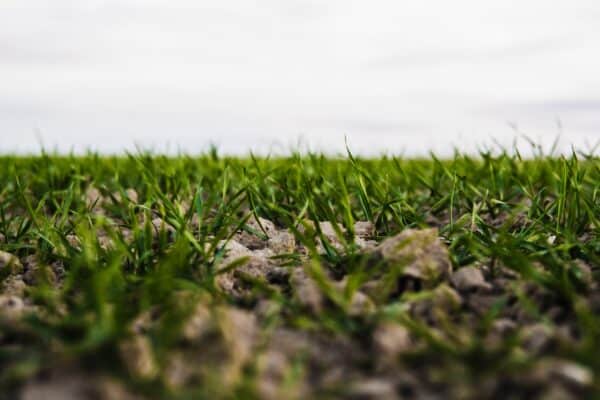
(420, 252)
(8, 260)
(390, 340)
(372, 389)
(138, 357)
(364, 229)
(306, 290)
(469, 278)
(11, 307)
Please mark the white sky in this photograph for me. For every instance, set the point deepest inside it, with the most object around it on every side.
(392, 76)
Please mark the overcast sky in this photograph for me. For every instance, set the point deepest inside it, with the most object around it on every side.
(391, 76)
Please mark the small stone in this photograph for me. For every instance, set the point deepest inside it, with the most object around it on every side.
(255, 264)
(11, 262)
(62, 388)
(329, 233)
(240, 334)
(257, 233)
(365, 245)
(159, 225)
(557, 392)
(272, 368)
(282, 242)
(420, 252)
(130, 194)
(37, 274)
(372, 389)
(573, 374)
(93, 199)
(11, 307)
(74, 241)
(469, 278)
(441, 303)
(481, 303)
(328, 229)
(306, 290)
(262, 225)
(500, 329)
(503, 326)
(224, 341)
(138, 357)
(13, 285)
(105, 242)
(364, 229)
(74, 385)
(142, 323)
(536, 337)
(360, 304)
(178, 371)
(390, 340)
(234, 250)
(584, 272)
(267, 308)
(198, 324)
(447, 299)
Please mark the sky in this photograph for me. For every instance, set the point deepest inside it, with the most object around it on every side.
(394, 77)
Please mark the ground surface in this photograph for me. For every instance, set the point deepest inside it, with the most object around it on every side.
(147, 277)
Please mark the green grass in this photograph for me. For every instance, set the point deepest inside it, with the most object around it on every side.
(538, 217)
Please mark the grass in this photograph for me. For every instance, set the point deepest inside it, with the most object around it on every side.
(536, 218)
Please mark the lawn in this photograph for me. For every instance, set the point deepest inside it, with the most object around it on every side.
(154, 277)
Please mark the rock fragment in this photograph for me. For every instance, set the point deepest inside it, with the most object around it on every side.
(420, 252)
(10, 262)
(138, 357)
(584, 273)
(282, 242)
(13, 285)
(220, 341)
(75, 386)
(273, 366)
(63, 388)
(574, 374)
(360, 304)
(306, 290)
(328, 231)
(94, 199)
(257, 233)
(240, 334)
(568, 375)
(240, 263)
(536, 337)
(11, 307)
(372, 389)
(390, 340)
(131, 195)
(364, 229)
(441, 303)
(198, 324)
(159, 225)
(469, 278)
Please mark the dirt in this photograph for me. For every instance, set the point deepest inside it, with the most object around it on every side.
(220, 342)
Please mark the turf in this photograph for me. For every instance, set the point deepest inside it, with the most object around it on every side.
(120, 277)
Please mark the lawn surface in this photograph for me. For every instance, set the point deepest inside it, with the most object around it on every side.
(148, 277)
